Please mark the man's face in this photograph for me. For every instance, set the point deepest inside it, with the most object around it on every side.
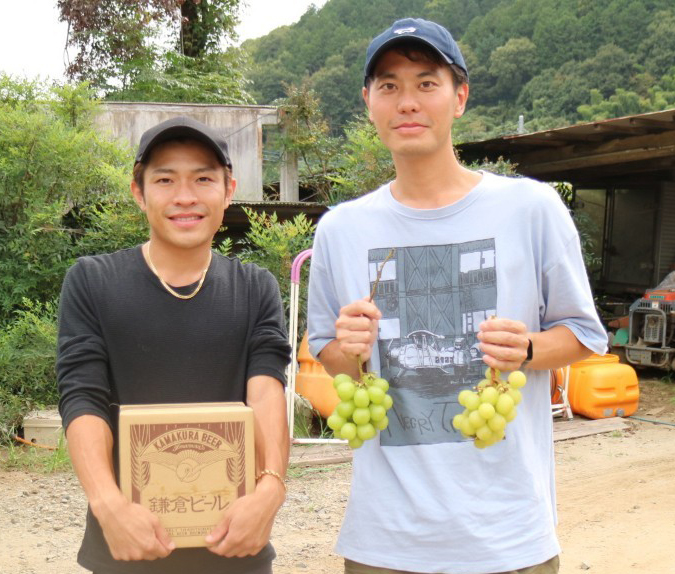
(184, 194)
(413, 105)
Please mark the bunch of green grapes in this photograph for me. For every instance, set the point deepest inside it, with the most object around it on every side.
(362, 410)
(489, 408)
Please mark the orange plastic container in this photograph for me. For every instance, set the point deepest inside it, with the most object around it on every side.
(314, 383)
(602, 387)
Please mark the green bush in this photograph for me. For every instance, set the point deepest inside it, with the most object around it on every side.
(27, 364)
(64, 189)
(274, 244)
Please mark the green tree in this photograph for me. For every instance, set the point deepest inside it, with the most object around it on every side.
(118, 42)
(513, 65)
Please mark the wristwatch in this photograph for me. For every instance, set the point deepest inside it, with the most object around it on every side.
(529, 353)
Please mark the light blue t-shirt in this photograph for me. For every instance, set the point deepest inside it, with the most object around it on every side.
(423, 498)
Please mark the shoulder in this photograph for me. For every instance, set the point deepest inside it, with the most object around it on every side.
(103, 266)
(350, 211)
(234, 269)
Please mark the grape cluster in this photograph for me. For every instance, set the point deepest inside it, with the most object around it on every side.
(489, 408)
(362, 409)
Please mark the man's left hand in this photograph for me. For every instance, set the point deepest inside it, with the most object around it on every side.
(247, 524)
(504, 343)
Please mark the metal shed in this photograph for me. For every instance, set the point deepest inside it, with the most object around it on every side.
(623, 173)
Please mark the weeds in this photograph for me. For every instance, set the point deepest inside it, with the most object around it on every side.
(35, 459)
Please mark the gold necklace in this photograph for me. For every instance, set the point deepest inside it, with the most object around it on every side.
(168, 287)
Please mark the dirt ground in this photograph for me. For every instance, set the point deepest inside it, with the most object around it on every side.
(616, 504)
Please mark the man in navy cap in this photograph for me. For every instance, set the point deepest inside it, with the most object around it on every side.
(468, 246)
(170, 321)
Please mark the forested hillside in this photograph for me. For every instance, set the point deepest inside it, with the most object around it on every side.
(557, 62)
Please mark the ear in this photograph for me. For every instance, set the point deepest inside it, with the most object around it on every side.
(461, 96)
(138, 195)
(364, 93)
(229, 191)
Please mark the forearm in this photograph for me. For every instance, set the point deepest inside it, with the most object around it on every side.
(556, 348)
(90, 445)
(334, 361)
(265, 395)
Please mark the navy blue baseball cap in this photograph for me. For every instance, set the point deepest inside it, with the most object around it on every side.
(183, 127)
(429, 33)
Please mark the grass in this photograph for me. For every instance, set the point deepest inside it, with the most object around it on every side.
(301, 471)
(311, 427)
(34, 459)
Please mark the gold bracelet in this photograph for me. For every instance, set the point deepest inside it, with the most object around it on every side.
(273, 473)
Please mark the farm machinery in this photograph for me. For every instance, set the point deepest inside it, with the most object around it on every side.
(651, 327)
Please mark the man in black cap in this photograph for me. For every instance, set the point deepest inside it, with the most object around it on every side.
(170, 321)
(452, 248)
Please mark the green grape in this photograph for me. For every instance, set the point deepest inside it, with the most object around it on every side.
(476, 420)
(457, 421)
(498, 435)
(472, 401)
(467, 428)
(387, 402)
(376, 395)
(489, 395)
(345, 409)
(517, 379)
(341, 378)
(482, 384)
(484, 433)
(356, 442)
(346, 390)
(377, 412)
(512, 414)
(335, 421)
(516, 395)
(382, 384)
(338, 433)
(361, 415)
(496, 423)
(478, 443)
(365, 432)
(348, 431)
(361, 398)
(504, 404)
(486, 411)
(382, 424)
(462, 396)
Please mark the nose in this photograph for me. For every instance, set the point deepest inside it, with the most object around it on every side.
(185, 194)
(408, 101)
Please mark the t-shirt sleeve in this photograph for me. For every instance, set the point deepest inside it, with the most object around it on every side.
(270, 350)
(82, 359)
(323, 306)
(566, 294)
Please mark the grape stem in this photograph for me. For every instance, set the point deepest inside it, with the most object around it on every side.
(391, 253)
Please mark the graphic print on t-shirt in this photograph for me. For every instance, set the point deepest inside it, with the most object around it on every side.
(432, 299)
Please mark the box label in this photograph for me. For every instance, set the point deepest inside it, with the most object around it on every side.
(188, 473)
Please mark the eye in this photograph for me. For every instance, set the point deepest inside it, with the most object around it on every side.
(427, 85)
(204, 179)
(162, 180)
(387, 87)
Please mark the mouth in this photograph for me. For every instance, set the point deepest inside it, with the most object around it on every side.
(186, 219)
(409, 127)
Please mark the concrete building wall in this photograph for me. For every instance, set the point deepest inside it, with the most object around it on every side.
(242, 126)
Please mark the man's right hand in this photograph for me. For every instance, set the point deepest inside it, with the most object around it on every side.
(132, 531)
(356, 329)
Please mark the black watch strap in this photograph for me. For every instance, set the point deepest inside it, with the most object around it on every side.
(529, 352)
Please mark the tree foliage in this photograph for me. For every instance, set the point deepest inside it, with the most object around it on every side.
(544, 59)
(162, 50)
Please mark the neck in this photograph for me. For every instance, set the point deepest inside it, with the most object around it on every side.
(432, 181)
(178, 267)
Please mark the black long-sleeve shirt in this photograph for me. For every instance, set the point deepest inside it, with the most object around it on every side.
(124, 339)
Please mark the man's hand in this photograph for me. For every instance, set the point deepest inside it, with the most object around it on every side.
(356, 329)
(504, 343)
(247, 524)
(133, 532)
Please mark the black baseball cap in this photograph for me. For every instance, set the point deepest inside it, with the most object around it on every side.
(429, 33)
(181, 127)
